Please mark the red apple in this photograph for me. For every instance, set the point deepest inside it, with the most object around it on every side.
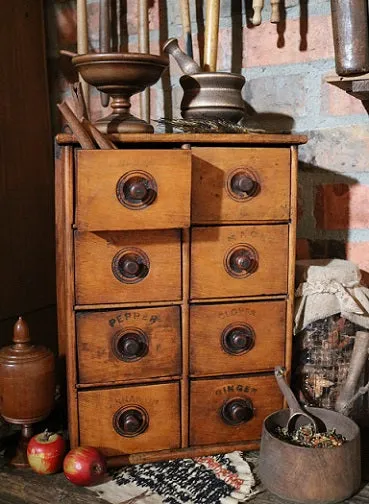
(84, 466)
(45, 452)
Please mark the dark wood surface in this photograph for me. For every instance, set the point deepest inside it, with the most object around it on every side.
(22, 486)
(26, 184)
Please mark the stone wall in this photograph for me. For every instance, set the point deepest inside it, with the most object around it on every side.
(285, 67)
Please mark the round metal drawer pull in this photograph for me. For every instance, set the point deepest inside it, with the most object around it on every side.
(130, 265)
(238, 338)
(242, 184)
(131, 421)
(241, 260)
(130, 344)
(136, 190)
(237, 411)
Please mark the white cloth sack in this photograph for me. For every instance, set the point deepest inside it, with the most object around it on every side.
(329, 286)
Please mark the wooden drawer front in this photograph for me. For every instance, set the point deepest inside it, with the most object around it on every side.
(130, 419)
(240, 184)
(128, 344)
(236, 338)
(133, 189)
(215, 406)
(239, 261)
(152, 259)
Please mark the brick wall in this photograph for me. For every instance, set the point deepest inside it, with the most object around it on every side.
(285, 67)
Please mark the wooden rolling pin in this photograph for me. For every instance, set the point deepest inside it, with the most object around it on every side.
(211, 35)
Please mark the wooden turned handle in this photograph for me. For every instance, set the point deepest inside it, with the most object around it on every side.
(131, 345)
(136, 191)
(131, 421)
(257, 5)
(275, 16)
(211, 35)
(242, 183)
(129, 265)
(241, 260)
(136, 188)
(238, 339)
(237, 411)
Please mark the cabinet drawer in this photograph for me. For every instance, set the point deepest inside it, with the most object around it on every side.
(128, 344)
(239, 261)
(240, 338)
(133, 189)
(133, 266)
(240, 184)
(230, 410)
(130, 419)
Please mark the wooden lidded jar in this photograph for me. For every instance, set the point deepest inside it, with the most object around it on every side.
(27, 379)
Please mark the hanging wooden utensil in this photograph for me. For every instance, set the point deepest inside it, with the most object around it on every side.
(211, 35)
(104, 36)
(186, 27)
(275, 16)
(257, 5)
(82, 40)
(144, 47)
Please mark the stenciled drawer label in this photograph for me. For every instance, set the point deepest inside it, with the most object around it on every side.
(150, 318)
(241, 235)
(234, 312)
(238, 387)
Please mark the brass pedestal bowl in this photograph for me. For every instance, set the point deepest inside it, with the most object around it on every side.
(121, 75)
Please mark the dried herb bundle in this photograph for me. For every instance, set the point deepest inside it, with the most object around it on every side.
(306, 436)
(207, 126)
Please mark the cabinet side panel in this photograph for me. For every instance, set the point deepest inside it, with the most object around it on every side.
(291, 259)
(65, 280)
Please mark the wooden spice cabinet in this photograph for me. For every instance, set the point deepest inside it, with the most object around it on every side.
(175, 275)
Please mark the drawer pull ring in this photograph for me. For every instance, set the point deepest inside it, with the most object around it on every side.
(238, 339)
(130, 265)
(136, 190)
(237, 411)
(131, 421)
(130, 344)
(241, 261)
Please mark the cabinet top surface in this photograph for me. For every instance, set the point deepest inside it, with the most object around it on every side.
(196, 138)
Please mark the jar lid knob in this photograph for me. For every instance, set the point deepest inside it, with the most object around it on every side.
(21, 332)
